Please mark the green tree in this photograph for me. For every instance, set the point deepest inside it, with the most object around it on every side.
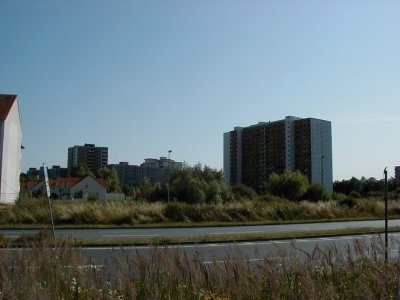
(81, 170)
(158, 192)
(199, 184)
(144, 189)
(347, 186)
(129, 191)
(242, 191)
(316, 192)
(289, 185)
(110, 176)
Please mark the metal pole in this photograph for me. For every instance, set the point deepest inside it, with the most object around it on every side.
(46, 183)
(52, 220)
(169, 173)
(386, 216)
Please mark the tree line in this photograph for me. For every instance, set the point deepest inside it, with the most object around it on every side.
(202, 184)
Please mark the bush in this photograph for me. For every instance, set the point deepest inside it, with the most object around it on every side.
(316, 192)
(349, 202)
(355, 194)
(174, 211)
(93, 197)
(289, 185)
(241, 191)
(199, 185)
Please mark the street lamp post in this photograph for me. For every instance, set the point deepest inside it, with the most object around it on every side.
(169, 174)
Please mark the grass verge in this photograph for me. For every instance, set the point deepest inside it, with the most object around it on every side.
(357, 271)
(43, 235)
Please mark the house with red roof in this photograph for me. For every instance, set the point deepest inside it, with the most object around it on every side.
(69, 188)
(10, 148)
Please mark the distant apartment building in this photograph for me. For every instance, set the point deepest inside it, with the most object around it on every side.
(53, 172)
(253, 153)
(397, 172)
(10, 148)
(90, 155)
(155, 170)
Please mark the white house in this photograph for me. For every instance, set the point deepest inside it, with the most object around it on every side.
(69, 188)
(10, 148)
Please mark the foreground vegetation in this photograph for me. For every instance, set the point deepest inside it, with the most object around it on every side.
(124, 212)
(62, 272)
(199, 194)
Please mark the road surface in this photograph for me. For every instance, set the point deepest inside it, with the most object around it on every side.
(198, 231)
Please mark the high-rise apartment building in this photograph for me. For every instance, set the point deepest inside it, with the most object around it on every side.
(155, 170)
(397, 172)
(253, 153)
(90, 155)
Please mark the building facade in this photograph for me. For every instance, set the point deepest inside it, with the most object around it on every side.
(397, 172)
(155, 170)
(10, 148)
(69, 188)
(253, 153)
(90, 155)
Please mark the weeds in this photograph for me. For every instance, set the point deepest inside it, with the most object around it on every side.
(125, 212)
(48, 271)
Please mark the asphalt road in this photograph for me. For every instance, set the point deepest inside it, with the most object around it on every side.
(219, 253)
(197, 231)
(211, 253)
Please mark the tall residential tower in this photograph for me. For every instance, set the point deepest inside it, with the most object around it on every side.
(90, 155)
(253, 153)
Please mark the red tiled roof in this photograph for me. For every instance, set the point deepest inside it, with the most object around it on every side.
(30, 184)
(101, 181)
(68, 181)
(6, 102)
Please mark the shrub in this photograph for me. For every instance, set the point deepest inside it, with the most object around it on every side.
(241, 191)
(289, 185)
(93, 197)
(174, 211)
(355, 194)
(349, 202)
(315, 192)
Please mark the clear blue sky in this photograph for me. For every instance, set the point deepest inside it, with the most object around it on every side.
(144, 77)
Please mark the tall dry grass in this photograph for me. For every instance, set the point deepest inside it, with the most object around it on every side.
(46, 271)
(35, 211)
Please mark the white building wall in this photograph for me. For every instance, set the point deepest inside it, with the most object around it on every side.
(11, 156)
(89, 186)
(321, 153)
